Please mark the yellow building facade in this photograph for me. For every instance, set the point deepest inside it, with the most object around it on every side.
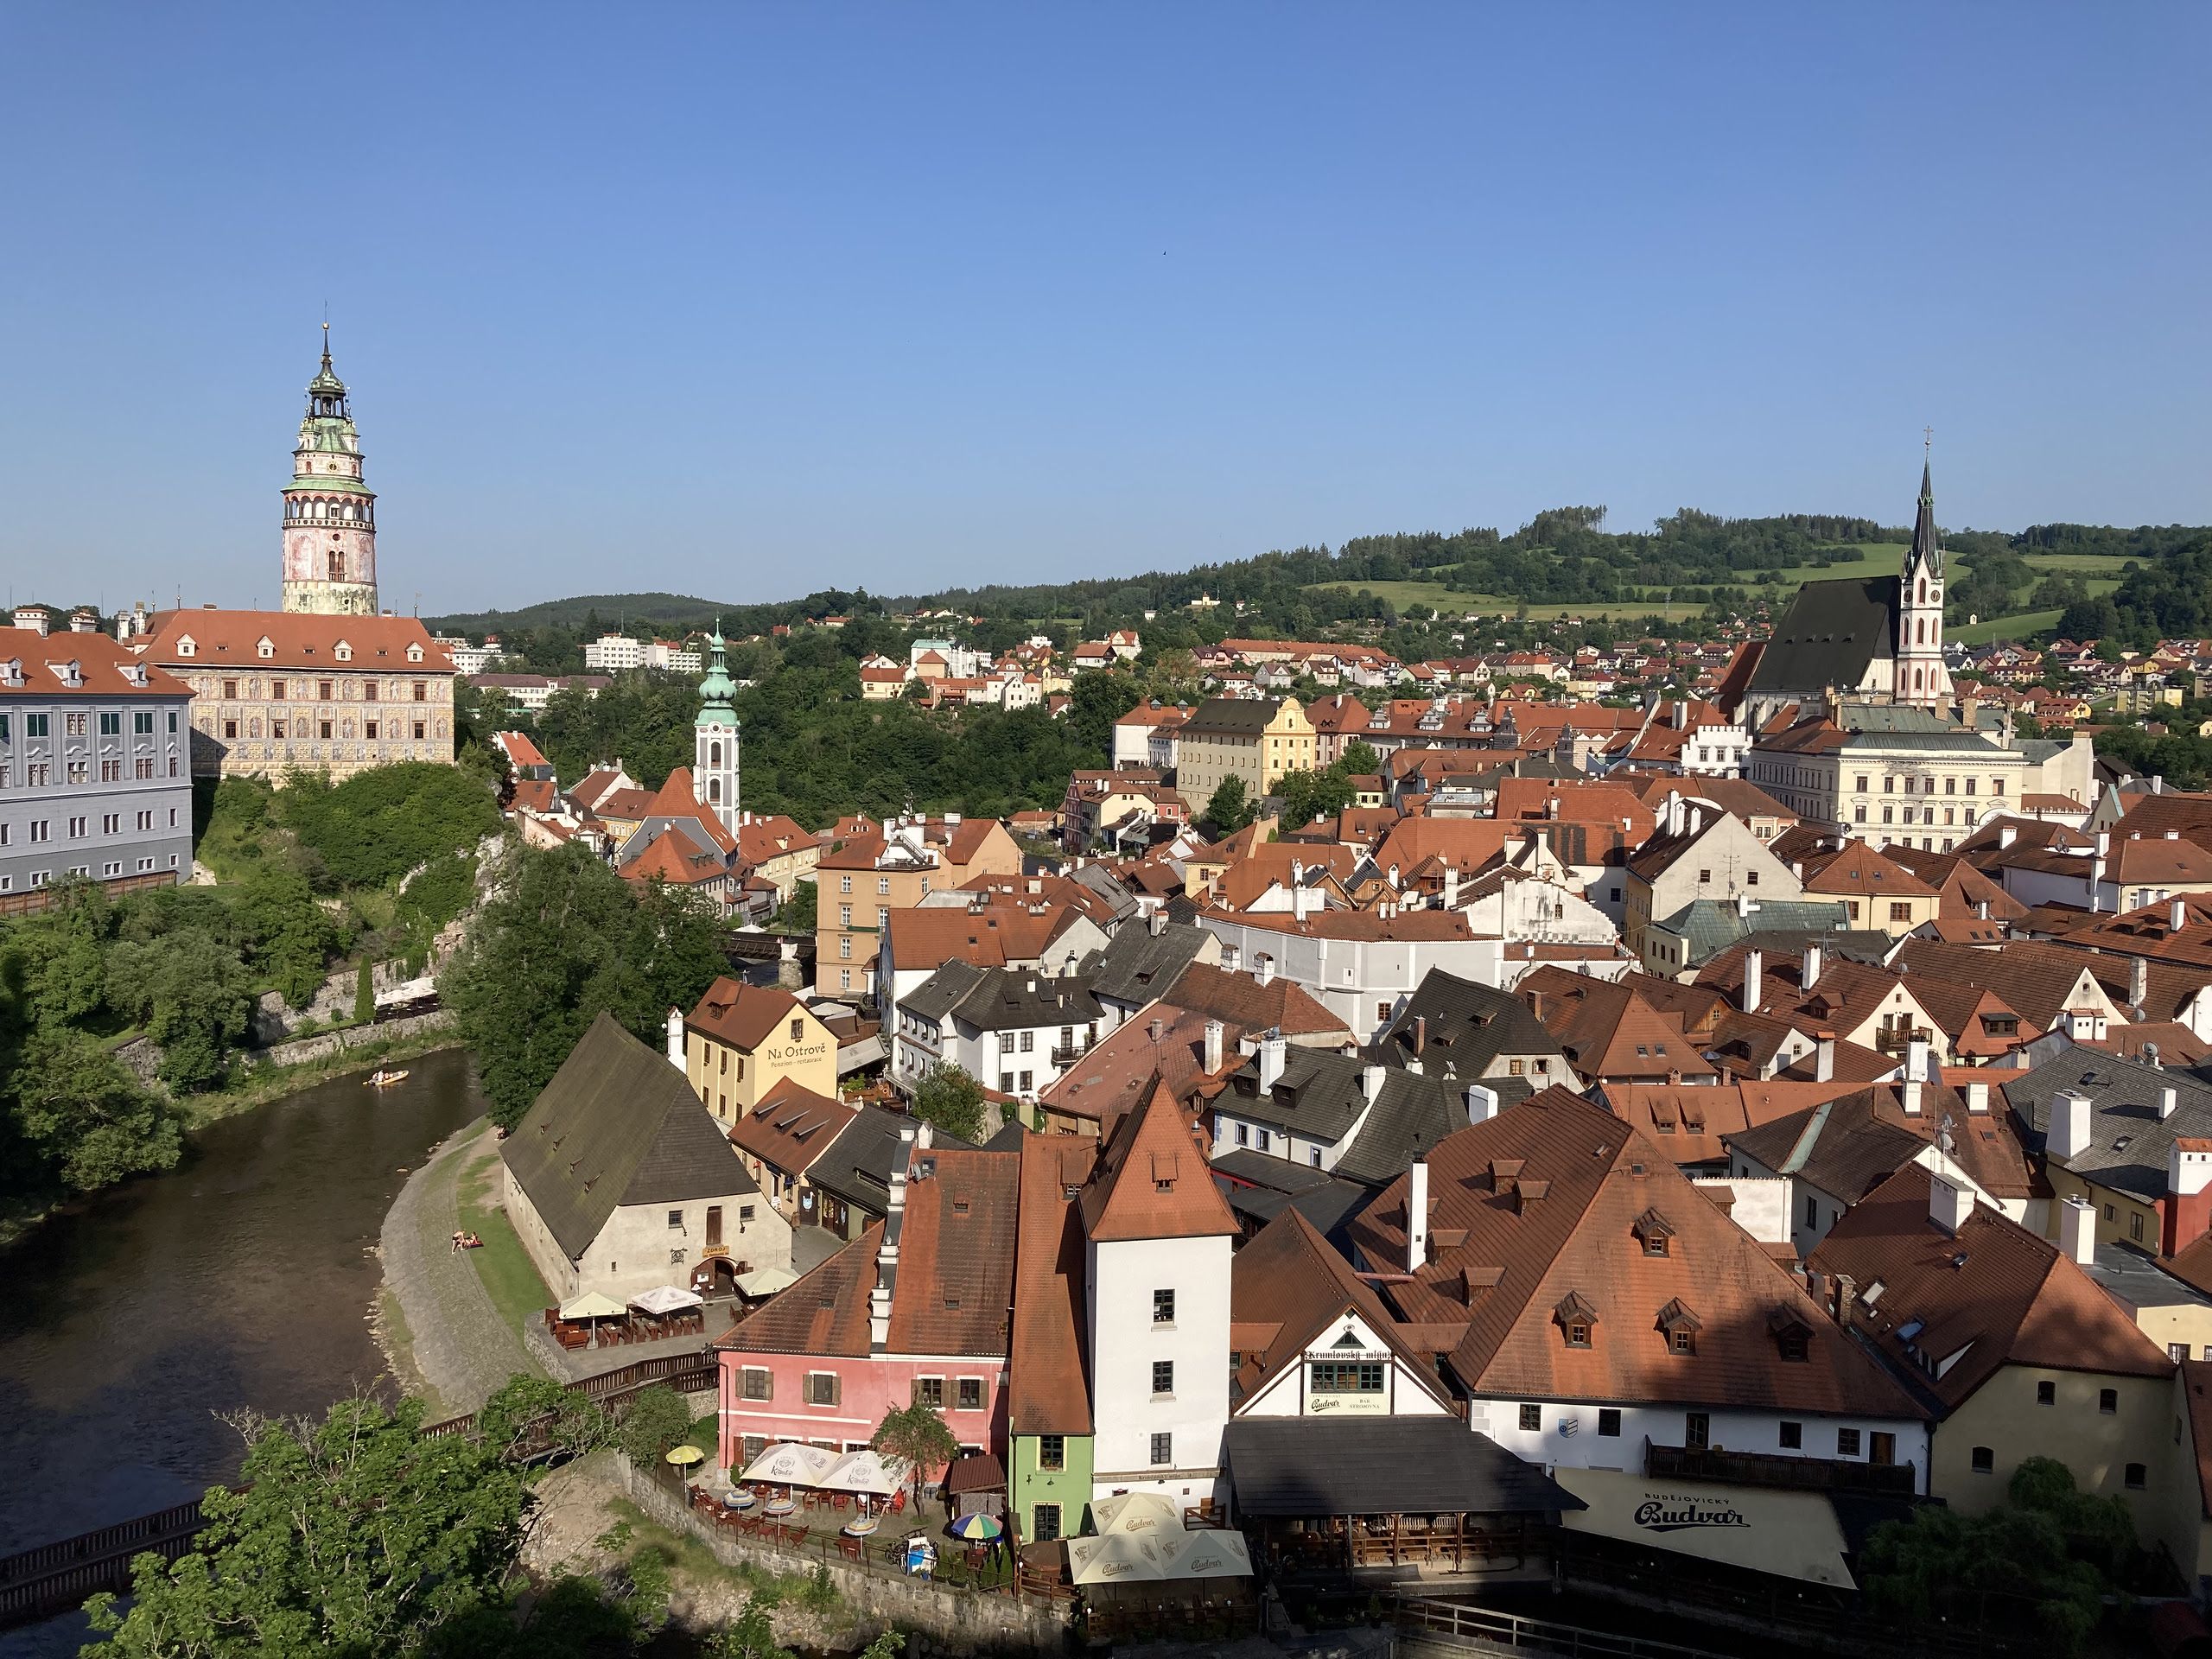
(742, 1041)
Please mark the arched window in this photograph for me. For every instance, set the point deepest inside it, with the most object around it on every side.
(1920, 630)
(1923, 590)
(713, 791)
(1919, 679)
(713, 754)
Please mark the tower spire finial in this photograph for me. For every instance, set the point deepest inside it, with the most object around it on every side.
(325, 335)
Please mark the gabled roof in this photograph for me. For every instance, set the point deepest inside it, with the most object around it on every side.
(2130, 1145)
(1829, 635)
(856, 1166)
(2038, 979)
(1690, 1123)
(741, 1014)
(1608, 1029)
(617, 1125)
(1541, 1201)
(792, 1126)
(1113, 1076)
(1857, 871)
(1136, 966)
(1290, 1279)
(1949, 1310)
(299, 640)
(1151, 1180)
(1453, 1028)
(1240, 999)
(1234, 717)
(1049, 1391)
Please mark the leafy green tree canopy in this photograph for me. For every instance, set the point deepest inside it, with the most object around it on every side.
(1229, 810)
(952, 1101)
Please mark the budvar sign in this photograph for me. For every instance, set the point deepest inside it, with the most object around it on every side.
(1674, 1513)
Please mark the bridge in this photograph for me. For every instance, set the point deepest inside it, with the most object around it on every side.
(53, 1579)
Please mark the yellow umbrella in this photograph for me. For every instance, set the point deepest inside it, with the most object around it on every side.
(684, 1457)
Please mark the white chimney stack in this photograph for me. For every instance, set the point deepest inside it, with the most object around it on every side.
(2169, 1098)
(1266, 971)
(1950, 1201)
(1481, 1103)
(2178, 916)
(1214, 1033)
(1810, 976)
(1824, 1056)
(676, 1038)
(1370, 1082)
(1272, 1048)
(2077, 1231)
(1977, 1096)
(33, 617)
(1417, 1217)
(1916, 1060)
(2069, 1124)
(1451, 886)
(1754, 980)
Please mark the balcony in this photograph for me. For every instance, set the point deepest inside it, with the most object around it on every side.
(1770, 1469)
(1070, 1054)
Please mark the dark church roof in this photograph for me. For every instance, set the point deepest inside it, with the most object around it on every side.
(1831, 632)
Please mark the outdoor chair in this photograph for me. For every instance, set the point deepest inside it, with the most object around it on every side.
(850, 1548)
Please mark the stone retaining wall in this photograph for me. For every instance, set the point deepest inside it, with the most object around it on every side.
(348, 1036)
(958, 1621)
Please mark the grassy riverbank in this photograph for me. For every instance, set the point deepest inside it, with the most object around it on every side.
(504, 1268)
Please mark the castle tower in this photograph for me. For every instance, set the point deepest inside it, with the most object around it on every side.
(1921, 677)
(713, 739)
(330, 526)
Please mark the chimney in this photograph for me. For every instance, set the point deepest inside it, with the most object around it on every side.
(1824, 1056)
(1950, 1201)
(1977, 1096)
(1156, 923)
(1421, 1033)
(1846, 1290)
(1417, 1216)
(1370, 1082)
(2068, 1136)
(1265, 974)
(1214, 1030)
(84, 620)
(2169, 1098)
(2139, 982)
(2077, 1231)
(886, 1255)
(33, 617)
(1451, 886)
(1916, 1060)
(2187, 1212)
(676, 1038)
(1158, 1028)
(2006, 835)
(1299, 898)
(2178, 916)
(1272, 1050)
(1481, 1103)
(1754, 980)
(1809, 975)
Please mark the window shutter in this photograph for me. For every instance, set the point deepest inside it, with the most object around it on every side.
(837, 1389)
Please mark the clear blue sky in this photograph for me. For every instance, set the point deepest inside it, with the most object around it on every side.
(747, 301)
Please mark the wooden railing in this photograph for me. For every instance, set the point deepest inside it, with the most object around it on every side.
(1481, 1631)
(56, 1578)
(1770, 1469)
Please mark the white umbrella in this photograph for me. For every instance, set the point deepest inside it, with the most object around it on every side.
(864, 1471)
(592, 1306)
(1116, 1558)
(791, 1463)
(1136, 1512)
(1208, 1553)
(665, 1299)
(765, 1281)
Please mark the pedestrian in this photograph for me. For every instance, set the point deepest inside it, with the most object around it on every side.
(456, 1242)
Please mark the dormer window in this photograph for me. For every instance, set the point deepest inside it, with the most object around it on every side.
(1577, 1317)
(266, 647)
(1680, 1326)
(1792, 1337)
(71, 673)
(1656, 1232)
(413, 653)
(186, 646)
(11, 671)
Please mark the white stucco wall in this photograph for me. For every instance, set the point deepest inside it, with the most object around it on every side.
(1124, 1343)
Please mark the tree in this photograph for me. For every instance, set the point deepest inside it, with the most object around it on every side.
(950, 1099)
(81, 1109)
(365, 993)
(1228, 810)
(562, 940)
(193, 994)
(656, 1420)
(532, 1416)
(919, 1435)
(1101, 697)
(1359, 759)
(356, 1535)
(292, 935)
(797, 913)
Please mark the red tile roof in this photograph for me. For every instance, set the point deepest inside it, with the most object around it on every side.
(1049, 1392)
(1242, 1002)
(298, 640)
(741, 1014)
(792, 1126)
(1152, 1181)
(103, 667)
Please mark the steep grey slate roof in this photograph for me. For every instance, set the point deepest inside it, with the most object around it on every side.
(1468, 1025)
(857, 1166)
(1831, 631)
(1382, 1466)
(1008, 999)
(941, 993)
(1708, 926)
(617, 1125)
(2129, 1143)
(1137, 967)
(1407, 1121)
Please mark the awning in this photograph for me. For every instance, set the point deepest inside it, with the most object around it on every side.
(765, 1281)
(665, 1299)
(1156, 1555)
(592, 1306)
(865, 1470)
(1136, 1513)
(1790, 1534)
(1308, 1467)
(853, 1056)
(791, 1462)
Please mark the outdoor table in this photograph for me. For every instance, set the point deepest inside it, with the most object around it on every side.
(780, 1506)
(860, 1526)
(739, 1499)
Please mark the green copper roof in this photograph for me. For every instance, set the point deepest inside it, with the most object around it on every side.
(717, 689)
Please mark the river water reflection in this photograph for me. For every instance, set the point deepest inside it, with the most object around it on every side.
(242, 1277)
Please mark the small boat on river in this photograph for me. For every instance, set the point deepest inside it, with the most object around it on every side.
(382, 1079)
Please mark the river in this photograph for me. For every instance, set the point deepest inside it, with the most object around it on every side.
(242, 1277)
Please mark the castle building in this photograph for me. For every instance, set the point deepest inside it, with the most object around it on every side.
(327, 683)
(1877, 639)
(330, 524)
(713, 738)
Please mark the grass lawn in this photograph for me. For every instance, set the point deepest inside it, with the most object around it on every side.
(2091, 563)
(503, 1264)
(2017, 629)
(706, 1436)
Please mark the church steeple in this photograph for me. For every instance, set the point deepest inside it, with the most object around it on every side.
(715, 738)
(330, 535)
(1921, 677)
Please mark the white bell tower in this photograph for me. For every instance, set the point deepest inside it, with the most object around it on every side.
(715, 739)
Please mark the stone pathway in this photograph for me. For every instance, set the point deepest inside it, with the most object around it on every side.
(460, 1346)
